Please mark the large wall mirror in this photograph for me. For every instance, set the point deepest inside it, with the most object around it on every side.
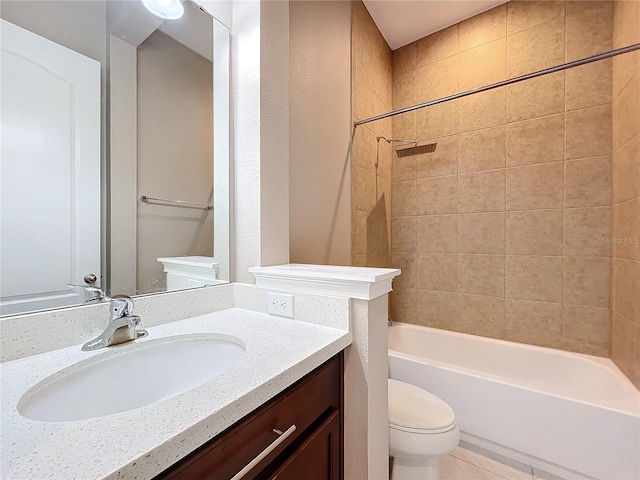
(114, 150)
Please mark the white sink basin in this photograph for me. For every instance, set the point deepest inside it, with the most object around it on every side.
(153, 371)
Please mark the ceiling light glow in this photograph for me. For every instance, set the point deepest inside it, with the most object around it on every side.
(167, 9)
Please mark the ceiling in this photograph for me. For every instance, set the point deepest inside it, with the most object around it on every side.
(404, 21)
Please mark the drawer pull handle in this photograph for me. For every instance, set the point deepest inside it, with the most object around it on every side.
(282, 437)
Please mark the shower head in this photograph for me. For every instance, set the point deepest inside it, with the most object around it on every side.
(417, 150)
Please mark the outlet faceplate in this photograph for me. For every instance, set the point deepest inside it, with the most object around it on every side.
(280, 304)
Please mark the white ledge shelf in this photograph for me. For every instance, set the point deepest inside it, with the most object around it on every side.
(362, 283)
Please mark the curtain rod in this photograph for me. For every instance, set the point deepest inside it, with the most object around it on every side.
(528, 76)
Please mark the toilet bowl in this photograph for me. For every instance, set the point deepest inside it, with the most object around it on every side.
(422, 427)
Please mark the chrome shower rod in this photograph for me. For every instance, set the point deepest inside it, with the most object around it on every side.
(179, 203)
(528, 76)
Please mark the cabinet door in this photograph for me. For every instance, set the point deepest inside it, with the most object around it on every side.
(318, 458)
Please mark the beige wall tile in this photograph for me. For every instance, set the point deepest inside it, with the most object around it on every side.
(586, 330)
(437, 272)
(481, 233)
(590, 30)
(586, 281)
(535, 323)
(364, 149)
(404, 126)
(364, 189)
(436, 80)
(437, 234)
(360, 261)
(438, 309)
(535, 141)
(404, 60)
(483, 28)
(403, 198)
(384, 198)
(403, 234)
(481, 191)
(626, 285)
(403, 305)
(481, 110)
(483, 65)
(588, 133)
(534, 232)
(533, 278)
(589, 85)
(588, 182)
(625, 347)
(407, 263)
(481, 274)
(625, 110)
(626, 171)
(482, 149)
(586, 231)
(539, 97)
(444, 161)
(437, 195)
(404, 88)
(626, 230)
(481, 315)
(535, 187)
(403, 168)
(437, 121)
(536, 48)
(438, 45)
(522, 15)
(385, 165)
(626, 31)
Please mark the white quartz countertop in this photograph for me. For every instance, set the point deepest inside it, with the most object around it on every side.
(140, 443)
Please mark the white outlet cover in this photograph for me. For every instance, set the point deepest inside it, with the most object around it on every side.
(280, 304)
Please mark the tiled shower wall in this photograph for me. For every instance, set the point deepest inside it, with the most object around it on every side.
(625, 335)
(502, 232)
(371, 160)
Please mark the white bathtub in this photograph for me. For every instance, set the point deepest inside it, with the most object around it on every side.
(571, 415)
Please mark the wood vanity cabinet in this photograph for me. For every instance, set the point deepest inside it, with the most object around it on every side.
(313, 451)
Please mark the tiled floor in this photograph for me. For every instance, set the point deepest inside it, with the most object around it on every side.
(464, 464)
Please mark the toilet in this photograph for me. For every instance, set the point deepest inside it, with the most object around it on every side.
(422, 427)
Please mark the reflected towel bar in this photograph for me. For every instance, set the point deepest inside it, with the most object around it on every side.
(179, 203)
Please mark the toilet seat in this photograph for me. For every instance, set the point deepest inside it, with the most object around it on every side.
(416, 411)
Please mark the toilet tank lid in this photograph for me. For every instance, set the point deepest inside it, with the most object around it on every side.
(415, 408)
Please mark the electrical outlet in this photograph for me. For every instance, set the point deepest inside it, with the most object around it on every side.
(280, 304)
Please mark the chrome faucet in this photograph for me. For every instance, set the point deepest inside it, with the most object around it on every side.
(122, 325)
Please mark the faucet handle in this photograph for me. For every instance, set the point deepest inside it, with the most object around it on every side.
(93, 293)
(121, 306)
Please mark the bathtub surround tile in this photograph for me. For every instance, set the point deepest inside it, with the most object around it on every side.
(626, 171)
(625, 109)
(588, 133)
(405, 261)
(403, 198)
(437, 234)
(364, 189)
(586, 330)
(364, 149)
(437, 272)
(523, 15)
(481, 274)
(444, 161)
(588, 182)
(481, 315)
(535, 323)
(589, 85)
(539, 140)
(626, 285)
(626, 25)
(482, 65)
(536, 48)
(404, 126)
(535, 187)
(481, 191)
(403, 168)
(534, 232)
(481, 110)
(436, 121)
(437, 46)
(436, 80)
(626, 230)
(483, 28)
(403, 305)
(625, 347)
(438, 309)
(590, 30)
(481, 233)
(539, 97)
(482, 150)
(437, 195)
(533, 278)
(586, 281)
(403, 234)
(586, 231)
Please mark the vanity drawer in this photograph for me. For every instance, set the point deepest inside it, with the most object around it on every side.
(305, 404)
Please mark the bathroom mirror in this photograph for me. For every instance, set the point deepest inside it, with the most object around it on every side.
(115, 151)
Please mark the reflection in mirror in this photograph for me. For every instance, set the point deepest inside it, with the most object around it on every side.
(102, 104)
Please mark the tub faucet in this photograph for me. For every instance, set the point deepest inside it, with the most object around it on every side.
(389, 322)
(122, 325)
